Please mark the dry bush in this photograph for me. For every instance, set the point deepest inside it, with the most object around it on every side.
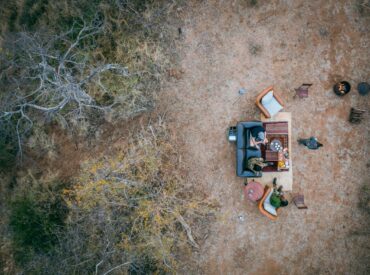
(136, 207)
(47, 75)
(129, 212)
(94, 59)
(364, 198)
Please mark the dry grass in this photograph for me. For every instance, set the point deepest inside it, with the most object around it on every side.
(364, 198)
(129, 205)
(145, 200)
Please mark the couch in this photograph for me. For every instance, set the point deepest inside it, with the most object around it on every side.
(244, 151)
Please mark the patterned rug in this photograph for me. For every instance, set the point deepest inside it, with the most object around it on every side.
(274, 130)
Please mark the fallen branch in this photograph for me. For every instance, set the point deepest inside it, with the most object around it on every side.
(187, 229)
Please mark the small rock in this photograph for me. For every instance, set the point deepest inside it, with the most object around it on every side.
(242, 91)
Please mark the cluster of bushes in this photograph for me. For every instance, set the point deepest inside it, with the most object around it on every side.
(7, 153)
(128, 212)
(37, 216)
(32, 10)
(131, 211)
(118, 33)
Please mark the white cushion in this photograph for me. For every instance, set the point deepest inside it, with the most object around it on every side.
(273, 106)
(268, 206)
(267, 97)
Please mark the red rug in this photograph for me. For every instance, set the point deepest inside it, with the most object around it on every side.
(274, 130)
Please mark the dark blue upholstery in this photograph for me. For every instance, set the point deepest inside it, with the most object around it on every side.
(242, 151)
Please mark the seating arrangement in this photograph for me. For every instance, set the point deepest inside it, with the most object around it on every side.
(269, 102)
(272, 147)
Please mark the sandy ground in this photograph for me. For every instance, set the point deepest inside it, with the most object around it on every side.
(227, 45)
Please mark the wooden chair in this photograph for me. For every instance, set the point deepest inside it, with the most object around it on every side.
(262, 209)
(356, 115)
(302, 91)
(299, 201)
(261, 95)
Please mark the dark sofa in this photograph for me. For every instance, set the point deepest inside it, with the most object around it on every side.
(243, 151)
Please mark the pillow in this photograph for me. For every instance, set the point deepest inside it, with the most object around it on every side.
(267, 98)
(273, 107)
(267, 205)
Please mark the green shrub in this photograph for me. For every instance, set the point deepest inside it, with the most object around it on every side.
(253, 3)
(35, 222)
(364, 198)
(12, 19)
(32, 12)
(7, 154)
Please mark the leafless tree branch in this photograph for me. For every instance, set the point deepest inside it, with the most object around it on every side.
(187, 229)
(48, 75)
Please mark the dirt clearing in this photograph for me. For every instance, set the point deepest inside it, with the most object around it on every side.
(227, 45)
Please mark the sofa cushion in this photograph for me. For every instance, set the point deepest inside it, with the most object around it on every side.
(253, 152)
(249, 174)
(272, 106)
(267, 205)
(240, 161)
(251, 124)
(240, 136)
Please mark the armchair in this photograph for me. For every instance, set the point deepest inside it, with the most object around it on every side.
(265, 206)
(269, 102)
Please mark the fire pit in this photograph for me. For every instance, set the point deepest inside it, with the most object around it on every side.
(342, 88)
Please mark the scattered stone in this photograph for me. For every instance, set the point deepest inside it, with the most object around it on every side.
(241, 218)
(242, 91)
(323, 32)
(255, 49)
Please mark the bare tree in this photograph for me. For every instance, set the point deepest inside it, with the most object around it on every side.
(50, 75)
